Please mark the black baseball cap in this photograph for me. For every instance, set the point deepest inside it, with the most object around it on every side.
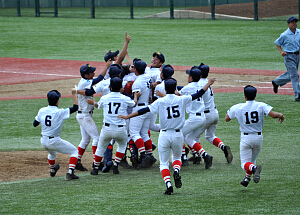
(195, 72)
(292, 18)
(167, 71)
(160, 56)
(110, 55)
(139, 65)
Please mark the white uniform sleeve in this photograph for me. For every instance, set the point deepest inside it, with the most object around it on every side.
(231, 112)
(154, 107)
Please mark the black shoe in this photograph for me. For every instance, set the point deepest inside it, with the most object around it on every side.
(256, 174)
(275, 87)
(125, 164)
(169, 191)
(297, 99)
(184, 162)
(208, 161)
(191, 159)
(134, 161)
(177, 179)
(107, 167)
(152, 161)
(115, 169)
(228, 154)
(80, 167)
(245, 182)
(70, 177)
(56, 168)
(145, 159)
(197, 158)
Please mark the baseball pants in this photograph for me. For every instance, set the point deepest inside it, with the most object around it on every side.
(169, 140)
(250, 146)
(192, 128)
(210, 126)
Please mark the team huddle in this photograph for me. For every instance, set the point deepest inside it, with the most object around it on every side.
(133, 96)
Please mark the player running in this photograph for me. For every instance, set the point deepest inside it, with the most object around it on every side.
(171, 110)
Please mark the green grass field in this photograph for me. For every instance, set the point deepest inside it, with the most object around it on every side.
(239, 44)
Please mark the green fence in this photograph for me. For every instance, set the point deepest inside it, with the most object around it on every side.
(168, 9)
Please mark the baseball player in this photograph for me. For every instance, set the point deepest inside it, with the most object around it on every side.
(196, 119)
(84, 116)
(51, 119)
(171, 110)
(211, 116)
(139, 126)
(154, 71)
(113, 104)
(250, 116)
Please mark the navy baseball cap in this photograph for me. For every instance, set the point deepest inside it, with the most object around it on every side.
(195, 72)
(167, 71)
(292, 18)
(204, 68)
(115, 70)
(250, 92)
(110, 55)
(170, 85)
(139, 65)
(86, 69)
(160, 56)
(53, 96)
(116, 83)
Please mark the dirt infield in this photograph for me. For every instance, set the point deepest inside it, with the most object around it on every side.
(33, 78)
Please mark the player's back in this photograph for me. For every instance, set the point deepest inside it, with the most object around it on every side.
(51, 119)
(208, 96)
(142, 84)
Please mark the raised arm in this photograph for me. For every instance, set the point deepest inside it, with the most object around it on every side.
(124, 49)
(203, 90)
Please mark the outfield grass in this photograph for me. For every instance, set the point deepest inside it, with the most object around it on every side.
(218, 43)
(214, 191)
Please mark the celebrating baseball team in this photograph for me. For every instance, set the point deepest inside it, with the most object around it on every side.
(133, 97)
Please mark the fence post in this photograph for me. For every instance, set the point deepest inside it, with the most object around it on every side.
(18, 8)
(55, 9)
(171, 9)
(131, 9)
(92, 8)
(255, 10)
(212, 5)
(37, 8)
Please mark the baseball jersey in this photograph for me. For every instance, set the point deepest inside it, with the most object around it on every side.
(115, 104)
(250, 115)
(289, 41)
(51, 119)
(142, 83)
(106, 76)
(154, 73)
(161, 88)
(171, 110)
(103, 87)
(197, 105)
(83, 106)
(208, 96)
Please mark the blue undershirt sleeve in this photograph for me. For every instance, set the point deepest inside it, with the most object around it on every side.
(35, 123)
(73, 109)
(97, 80)
(198, 94)
(143, 110)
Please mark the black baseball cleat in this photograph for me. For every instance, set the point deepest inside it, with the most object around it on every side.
(115, 169)
(95, 170)
(107, 167)
(228, 154)
(275, 87)
(56, 168)
(80, 167)
(256, 173)
(297, 99)
(145, 160)
(177, 179)
(245, 182)
(134, 161)
(152, 161)
(208, 161)
(169, 191)
(184, 162)
(197, 158)
(125, 164)
(70, 177)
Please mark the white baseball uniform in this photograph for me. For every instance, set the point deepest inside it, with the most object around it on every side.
(155, 77)
(211, 113)
(113, 104)
(250, 116)
(51, 119)
(196, 119)
(171, 110)
(139, 125)
(85, 119)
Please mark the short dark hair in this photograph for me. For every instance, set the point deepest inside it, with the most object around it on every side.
(250, 92)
